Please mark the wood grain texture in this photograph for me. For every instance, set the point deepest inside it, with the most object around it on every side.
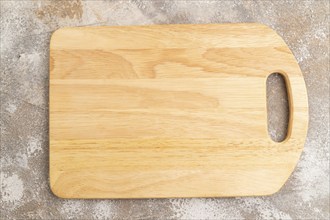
(170, 111)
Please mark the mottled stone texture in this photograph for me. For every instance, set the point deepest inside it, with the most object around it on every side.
(26, 27)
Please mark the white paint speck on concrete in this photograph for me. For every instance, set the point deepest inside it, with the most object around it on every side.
(72, 208)
(203, 209)
(312, 172)
(262, 209)
(34, 146)
(103, 210)
(11, 107)
(11, 189)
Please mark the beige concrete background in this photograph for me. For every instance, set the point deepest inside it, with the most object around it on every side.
(26, 27)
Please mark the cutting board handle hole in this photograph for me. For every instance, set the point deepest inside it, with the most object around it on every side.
(277, 107)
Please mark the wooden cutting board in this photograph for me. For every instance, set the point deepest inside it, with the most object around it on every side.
(170, 111)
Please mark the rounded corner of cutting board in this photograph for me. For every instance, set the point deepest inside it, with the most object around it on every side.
(56, 191)
(58, 35)
(55, 34)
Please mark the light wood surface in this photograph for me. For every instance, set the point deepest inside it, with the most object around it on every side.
(170, 111)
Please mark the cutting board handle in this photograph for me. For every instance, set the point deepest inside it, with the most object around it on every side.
(297, 100)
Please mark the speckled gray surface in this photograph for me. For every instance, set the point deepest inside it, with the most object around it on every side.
(26, 27)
